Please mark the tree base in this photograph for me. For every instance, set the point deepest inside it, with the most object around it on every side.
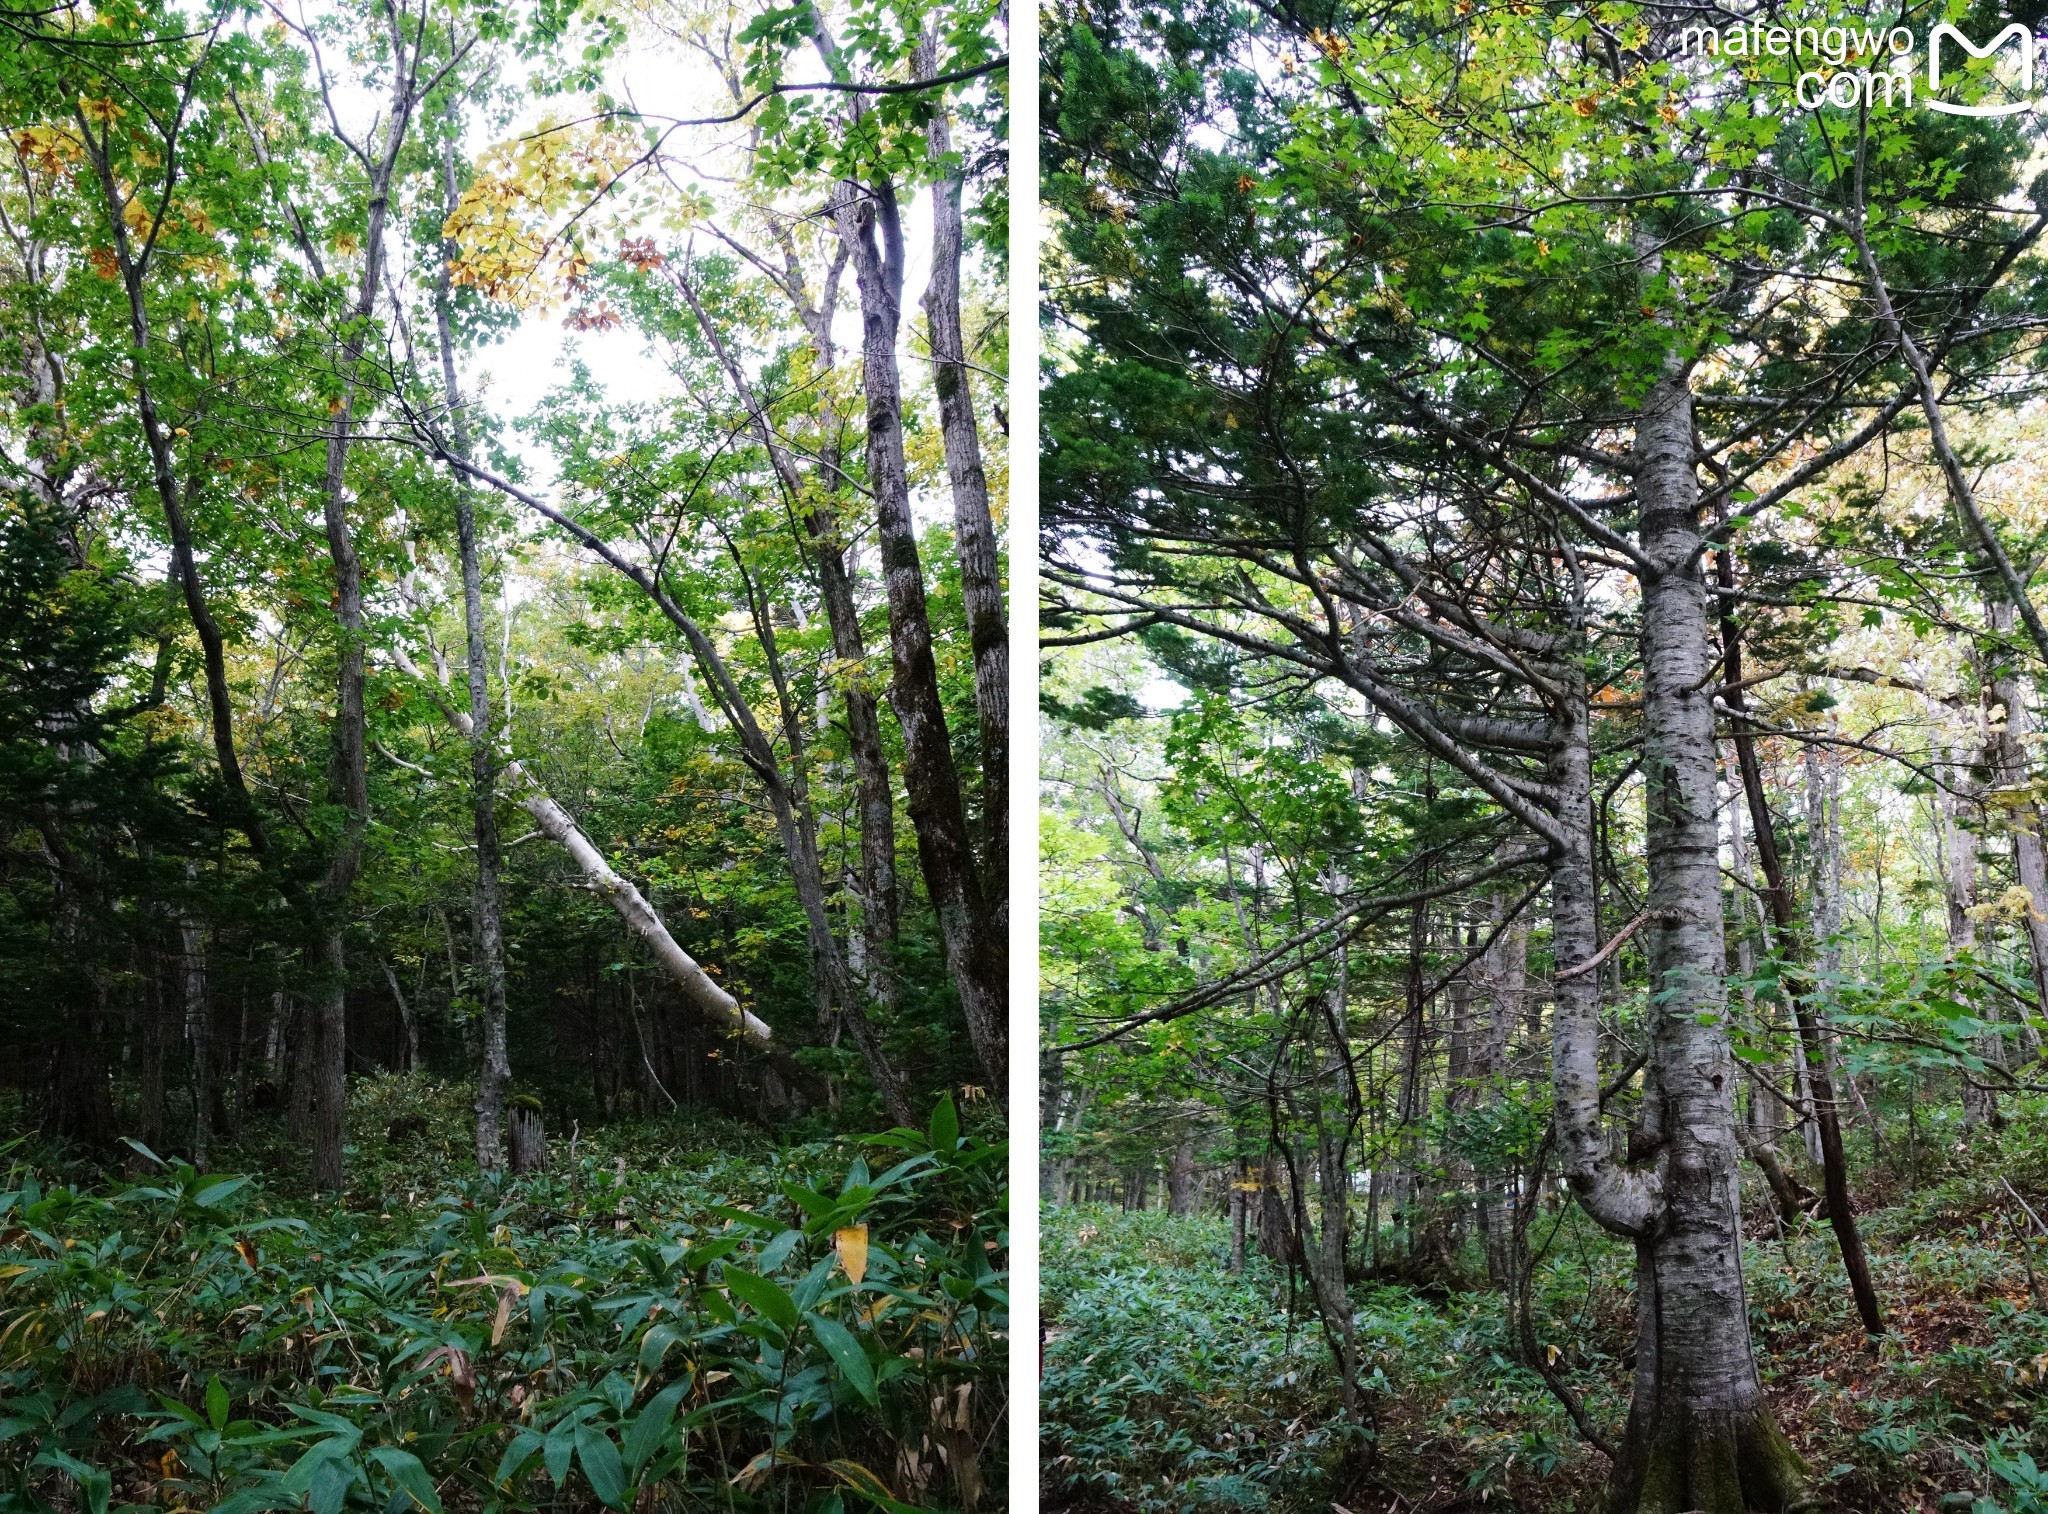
(1708, 1464)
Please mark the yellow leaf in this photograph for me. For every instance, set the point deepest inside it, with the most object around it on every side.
(504, 1314)
(852, 1245)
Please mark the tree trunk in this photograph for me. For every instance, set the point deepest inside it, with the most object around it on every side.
(795, 822)
(2007, 749)
(494, 1070)
(1322, 1236)
(1276, 1238)
(976, 958)
(1503, 982)
(1810, 1052)
(408, 1022)
(1240, 1185)
(348, 774)
(974, 535)
(198, 1035)
(150, 1119)
(1958, 851)
(1700, 1435)
(1182, 1188)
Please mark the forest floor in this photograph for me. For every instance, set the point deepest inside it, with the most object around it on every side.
(1170, 1385)
(682, 1314)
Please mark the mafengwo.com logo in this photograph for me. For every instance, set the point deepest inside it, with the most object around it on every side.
(1872, 67)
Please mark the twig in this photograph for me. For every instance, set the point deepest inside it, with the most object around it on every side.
(2023, 1203)
(1614, 944)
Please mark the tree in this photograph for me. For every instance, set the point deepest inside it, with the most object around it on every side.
(1427, 441)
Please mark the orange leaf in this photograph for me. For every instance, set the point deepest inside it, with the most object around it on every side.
(852, 1245)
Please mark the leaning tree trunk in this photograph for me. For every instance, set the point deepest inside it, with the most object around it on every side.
(1700, 1435)
(795, 820)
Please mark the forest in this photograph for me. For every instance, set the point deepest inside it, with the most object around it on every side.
(1544, 910)
(503, 756)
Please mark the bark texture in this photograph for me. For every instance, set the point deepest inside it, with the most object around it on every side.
(1700, 1435)
(974, 535)
(873, 232)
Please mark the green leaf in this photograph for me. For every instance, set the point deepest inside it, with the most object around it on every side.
(846, 1350)
(768, 1298)
(407, 1471)
(945, 1129)
(748, 1217)
(95, 1484)
(299, 1478)
(217, 1404)
(651, 1425)
(654, 1346)
(557, 1451)
(524, 1444)
(600, 1460)
(216, 1188)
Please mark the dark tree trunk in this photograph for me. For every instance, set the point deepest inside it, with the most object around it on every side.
(1182, 1185)
(976, 957)
(198, 1008)
(1275, 1230)
(974, 535)
(77, 1100)
(150, 1118)
(1800, 989)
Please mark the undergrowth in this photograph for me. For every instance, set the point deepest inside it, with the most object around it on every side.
(680, 1317)
(1171, 1386)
